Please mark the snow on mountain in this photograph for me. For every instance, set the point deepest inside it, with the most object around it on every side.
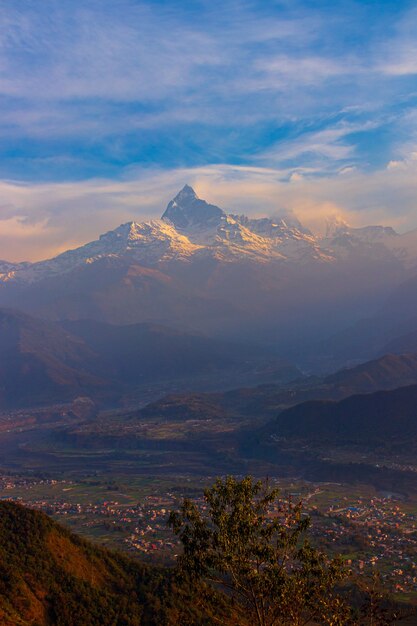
(337, 228)
(189, 214)
(404, 247)
(191, 228)
(382, 241)
(227, 236)
(148, 242)
(8, 270)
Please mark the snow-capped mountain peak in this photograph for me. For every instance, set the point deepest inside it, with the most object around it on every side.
(191, 228)
(337, 227)
(146, 242)
(187, 194)
(188, 213)
(231, 235)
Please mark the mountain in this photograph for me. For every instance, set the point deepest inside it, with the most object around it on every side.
(382, 417)
(386, 372)
(260, 402)
(139, 353)
(226, 236)
(51, 576)
(268, 280)
(189, 229)
(376, 241)
(43, 362)
(364, 438)
(189, 214)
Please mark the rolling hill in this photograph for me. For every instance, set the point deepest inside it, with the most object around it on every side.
(260, 402)
(387, 372)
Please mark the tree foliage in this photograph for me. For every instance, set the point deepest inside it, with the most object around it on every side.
(254, 547)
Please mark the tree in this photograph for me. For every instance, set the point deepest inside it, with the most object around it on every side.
(253, 547)
(376, 608)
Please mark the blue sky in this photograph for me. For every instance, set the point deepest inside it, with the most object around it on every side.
(108, 107)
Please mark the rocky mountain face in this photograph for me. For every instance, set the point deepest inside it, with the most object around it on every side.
(267, 280)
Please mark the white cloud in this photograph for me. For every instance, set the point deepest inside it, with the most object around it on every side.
(396, 165)
(397, 55)
(67, 67)
(313, 148)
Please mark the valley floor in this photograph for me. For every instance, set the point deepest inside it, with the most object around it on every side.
(115, 478)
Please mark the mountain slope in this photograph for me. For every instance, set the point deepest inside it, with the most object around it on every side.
(259, 403)
(386, 372)
(51, 576)
(41, 362)
(378, 417)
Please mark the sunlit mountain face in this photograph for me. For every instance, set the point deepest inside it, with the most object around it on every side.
(267, 281)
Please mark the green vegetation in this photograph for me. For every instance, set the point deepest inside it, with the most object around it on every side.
(255, 549)
(48, 576)
(246, 559)
(264, 562)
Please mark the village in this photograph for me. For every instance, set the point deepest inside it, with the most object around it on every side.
(375, 533)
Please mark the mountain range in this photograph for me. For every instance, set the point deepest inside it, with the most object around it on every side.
(191, 229)
(43, 361)
(266, 280)
(266, 401)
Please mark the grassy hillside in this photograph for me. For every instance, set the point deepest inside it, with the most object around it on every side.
(386, 372)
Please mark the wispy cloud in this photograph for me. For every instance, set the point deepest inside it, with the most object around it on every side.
(107, 108)
(398, 54)
(74, 65)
